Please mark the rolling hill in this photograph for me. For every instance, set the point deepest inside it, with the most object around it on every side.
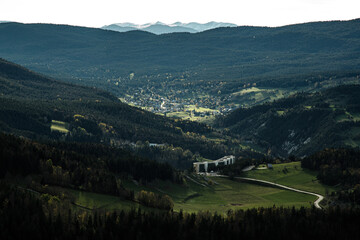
(70, 154)
(300, 124)
(217, 62)
(37, 107)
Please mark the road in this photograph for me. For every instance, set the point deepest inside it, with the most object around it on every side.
(162, 105)
(316, 203)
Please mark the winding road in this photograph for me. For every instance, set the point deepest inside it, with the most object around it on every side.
(316, 203)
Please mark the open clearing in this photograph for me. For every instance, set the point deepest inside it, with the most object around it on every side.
(96, 201)
(215, 194)
(252, 95)
(348, 117)
(231, 194)
(59, 126)
(291, 175)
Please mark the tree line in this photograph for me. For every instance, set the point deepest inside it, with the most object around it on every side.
(23, 214)
(86, 166)
(338, 167)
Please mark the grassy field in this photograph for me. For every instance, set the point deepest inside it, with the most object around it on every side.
(227, 194)
(215, 194)
(183, 115)
(292, 175)
(198, 109)
(256, 95)
(247, 90)
(59, 126)
(96, 201)
(189, 115)
(280, 113)
(218, 194)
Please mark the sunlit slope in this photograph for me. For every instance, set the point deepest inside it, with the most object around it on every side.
(300, 124)
(33, 105)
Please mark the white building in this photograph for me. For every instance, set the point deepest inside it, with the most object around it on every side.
(204, 166)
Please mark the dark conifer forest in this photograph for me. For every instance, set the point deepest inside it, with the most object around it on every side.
(42, 219)
(100, 131)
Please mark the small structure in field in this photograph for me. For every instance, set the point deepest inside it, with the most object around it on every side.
(269, 166)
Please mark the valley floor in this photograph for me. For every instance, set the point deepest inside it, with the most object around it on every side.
(215, 194)
(219, 194)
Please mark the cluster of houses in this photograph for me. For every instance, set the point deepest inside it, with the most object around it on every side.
(155, 103)
(212, 165)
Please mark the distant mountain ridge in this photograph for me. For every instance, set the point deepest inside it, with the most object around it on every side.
(162, 28)
(219, 63)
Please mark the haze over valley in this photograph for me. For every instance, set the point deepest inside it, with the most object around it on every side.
(190, 130)
(162, 28)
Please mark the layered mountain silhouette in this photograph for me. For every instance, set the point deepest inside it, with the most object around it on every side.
(270, 57)
(162, 28)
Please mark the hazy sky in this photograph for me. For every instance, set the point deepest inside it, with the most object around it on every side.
(242, 12)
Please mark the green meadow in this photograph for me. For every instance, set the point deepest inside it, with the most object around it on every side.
(198, 193)
(225, 194)
(59, 126)
(292, 175)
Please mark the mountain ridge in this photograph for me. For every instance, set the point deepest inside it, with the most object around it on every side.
(162, 28)
(239, 40)
(220, 63)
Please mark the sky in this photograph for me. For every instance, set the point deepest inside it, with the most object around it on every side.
(91, 13)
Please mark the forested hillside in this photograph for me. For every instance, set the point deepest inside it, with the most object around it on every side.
(335, 166)
(301, 124)
(90, 167)
(69, 152)
(340, 167)
(218, 61)
(45, 218)
(40, 108)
